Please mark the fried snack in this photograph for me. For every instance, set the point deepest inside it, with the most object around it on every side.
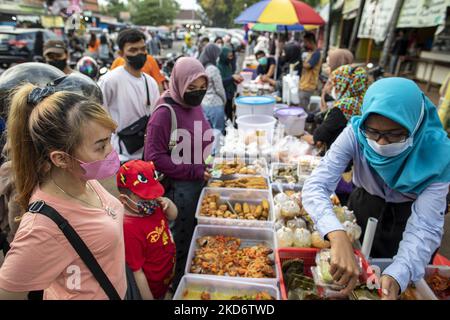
(220, 255)
(243, 183)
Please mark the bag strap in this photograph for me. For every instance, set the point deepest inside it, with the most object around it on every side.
(79, 246)
(173, 125)
(147, 91)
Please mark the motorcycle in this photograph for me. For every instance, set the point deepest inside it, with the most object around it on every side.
(375, 71)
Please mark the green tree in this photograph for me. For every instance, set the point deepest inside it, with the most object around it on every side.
(153, 12)
(114, 7)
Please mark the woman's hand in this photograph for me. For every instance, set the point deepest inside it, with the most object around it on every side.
(308, 138)
(237, 78)
(163, 202)
(344, 268)
(207, 176)
(389, 288)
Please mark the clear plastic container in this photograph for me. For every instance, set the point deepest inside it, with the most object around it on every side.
(276, 166)
(222, 288)
(260, 125)
(238, 176)
(262, 162)
(293, 118)
(237, 195)
(442, 270)
(249, 237)
(306, 165)
(254, 104)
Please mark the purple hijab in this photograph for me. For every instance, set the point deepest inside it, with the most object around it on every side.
(185, 71)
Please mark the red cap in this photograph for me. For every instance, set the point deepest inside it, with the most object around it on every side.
(139, 177)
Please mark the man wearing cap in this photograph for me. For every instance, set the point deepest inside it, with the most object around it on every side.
(56, 54)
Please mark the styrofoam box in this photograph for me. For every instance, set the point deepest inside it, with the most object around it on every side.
(225, 286)
(422, 292)
(248, 236)
(246, 160)
(238, 176)
(251, 196)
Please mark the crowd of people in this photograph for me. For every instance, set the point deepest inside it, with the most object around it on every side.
(59, 144)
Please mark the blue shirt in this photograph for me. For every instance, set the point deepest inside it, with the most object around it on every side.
(424, 229)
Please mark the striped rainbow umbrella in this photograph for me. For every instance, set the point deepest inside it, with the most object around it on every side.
(280, 12)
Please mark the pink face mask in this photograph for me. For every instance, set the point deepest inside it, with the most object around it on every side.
(101, 169)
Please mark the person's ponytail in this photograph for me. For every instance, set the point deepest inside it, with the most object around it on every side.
(23, 154)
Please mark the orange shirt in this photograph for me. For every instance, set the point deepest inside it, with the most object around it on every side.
(150, 67)
(94, 49)
(41, 258)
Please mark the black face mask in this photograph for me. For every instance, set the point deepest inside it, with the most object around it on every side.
(60, 64)
(137, 61)
(194, 98)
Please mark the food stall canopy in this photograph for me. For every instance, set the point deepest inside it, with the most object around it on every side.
(376, 18)
(282, 12)
(422, 13)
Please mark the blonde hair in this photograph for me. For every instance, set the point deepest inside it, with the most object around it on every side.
(33, 131)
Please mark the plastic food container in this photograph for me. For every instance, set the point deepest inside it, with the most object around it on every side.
(255, 105)
(422, 290)
(293, 118)
(314, 103)
(238, 176)
(308, 255)
(306, 165)
(237, 195)
(248, 161)
(257, 124)
(222, 287)
(248, 236)
(292, 180)
(443, 271)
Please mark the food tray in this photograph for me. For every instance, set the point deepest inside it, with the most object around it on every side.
(247, 160)
(251, 196)
(422, 291)
(277, 165)
(304, 171)
(224, 286)
(238, 176)
(308, 255)
(248, 236)
(443, 270)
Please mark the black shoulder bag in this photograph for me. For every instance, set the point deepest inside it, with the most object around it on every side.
(133, 135)
(86, 254)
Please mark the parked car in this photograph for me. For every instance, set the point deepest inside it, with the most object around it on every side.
(166, 38)
(17, 44)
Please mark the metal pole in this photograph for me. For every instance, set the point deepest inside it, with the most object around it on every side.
(356, 26)
(328, 30)
(391, 33)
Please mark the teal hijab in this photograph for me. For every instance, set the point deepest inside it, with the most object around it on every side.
(427, 161)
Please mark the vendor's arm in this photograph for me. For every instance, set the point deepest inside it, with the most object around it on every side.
(422, 236)
(157, 150)
(312, 61)
(322, 183)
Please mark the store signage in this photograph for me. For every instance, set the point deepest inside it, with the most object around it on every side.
(376, 18)
(422, 13)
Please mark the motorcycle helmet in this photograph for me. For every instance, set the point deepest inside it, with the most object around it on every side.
(32, 72)
(88, 66)
(81, 84)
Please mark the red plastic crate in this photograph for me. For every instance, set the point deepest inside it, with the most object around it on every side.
(440, 260)
(308, 255)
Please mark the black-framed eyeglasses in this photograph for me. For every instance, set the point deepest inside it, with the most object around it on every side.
(391, 137)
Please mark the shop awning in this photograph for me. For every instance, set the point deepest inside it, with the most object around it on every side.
(375, 19)
(422, 13)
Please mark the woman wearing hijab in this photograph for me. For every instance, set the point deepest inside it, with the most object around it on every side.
(215, 98)
(228, 78)
(402, 173)
(349, 84)
(335, 59)
(182, 160)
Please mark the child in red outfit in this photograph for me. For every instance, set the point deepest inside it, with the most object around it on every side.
(149, 246)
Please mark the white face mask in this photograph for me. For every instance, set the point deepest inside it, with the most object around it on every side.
(394, 149)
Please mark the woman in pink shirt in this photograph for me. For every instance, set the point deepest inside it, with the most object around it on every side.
(60, 146)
